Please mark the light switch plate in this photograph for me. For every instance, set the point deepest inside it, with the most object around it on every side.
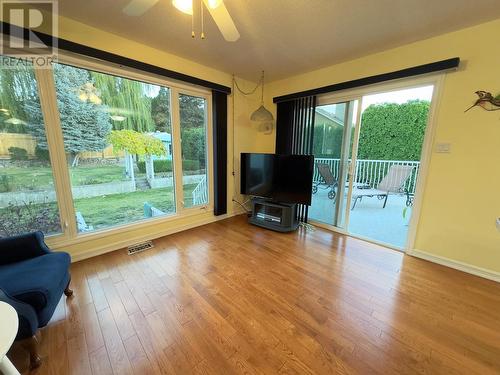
(443, 148)
(498, 223)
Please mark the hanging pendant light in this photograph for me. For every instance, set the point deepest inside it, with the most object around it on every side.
(262, 114)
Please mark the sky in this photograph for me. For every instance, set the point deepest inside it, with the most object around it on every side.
(400, 96)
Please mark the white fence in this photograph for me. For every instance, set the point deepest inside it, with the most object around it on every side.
(200, 192)
(371, 172)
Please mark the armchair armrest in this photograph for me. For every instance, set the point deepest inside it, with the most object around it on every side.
(28, 321)
(22, 247)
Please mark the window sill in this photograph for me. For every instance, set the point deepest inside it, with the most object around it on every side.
(119, 236)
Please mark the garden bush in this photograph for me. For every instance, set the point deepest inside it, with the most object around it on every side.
(392, 131)
(18, 153)
(193, 145)
(166, 165)
(29, 217)
(42, 154)
(5, 183)
(191, 165)
(159, 166)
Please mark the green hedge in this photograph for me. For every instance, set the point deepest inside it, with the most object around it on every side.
(159, 165)
(393, 131)
(191, 165)
(166, 165)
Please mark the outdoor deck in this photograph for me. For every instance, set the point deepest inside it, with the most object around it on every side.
(368, 219)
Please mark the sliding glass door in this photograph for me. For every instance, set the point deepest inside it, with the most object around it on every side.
(367, 161)
(391, 137)
(333, 138)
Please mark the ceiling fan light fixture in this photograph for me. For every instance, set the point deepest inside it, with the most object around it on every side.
(262, 115)
(213, 4)
(185, 6)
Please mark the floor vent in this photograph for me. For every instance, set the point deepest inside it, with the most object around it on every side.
(137, 248)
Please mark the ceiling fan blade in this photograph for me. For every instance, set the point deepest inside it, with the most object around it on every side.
(224, 21)
(138, 7)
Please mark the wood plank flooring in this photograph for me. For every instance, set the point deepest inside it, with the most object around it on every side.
(230, 298)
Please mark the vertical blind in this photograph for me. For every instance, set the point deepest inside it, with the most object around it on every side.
(295, 132)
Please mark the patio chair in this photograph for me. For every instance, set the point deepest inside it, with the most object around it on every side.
(327, 180)
(392, 183)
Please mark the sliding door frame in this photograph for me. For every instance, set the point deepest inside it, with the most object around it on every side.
(434, 79)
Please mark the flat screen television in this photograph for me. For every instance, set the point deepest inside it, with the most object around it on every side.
(282, 178)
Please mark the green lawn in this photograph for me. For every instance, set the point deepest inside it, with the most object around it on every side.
(37, 178)
(100, 212)
(110, 210)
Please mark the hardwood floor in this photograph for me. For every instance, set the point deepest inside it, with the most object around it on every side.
(233, 298)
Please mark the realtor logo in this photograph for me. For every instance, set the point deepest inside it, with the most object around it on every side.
(29, 31)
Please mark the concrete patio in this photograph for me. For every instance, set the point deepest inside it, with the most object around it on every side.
(368, 219)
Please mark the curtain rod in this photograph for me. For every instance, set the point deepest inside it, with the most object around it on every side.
(67, 45)
(403, 73)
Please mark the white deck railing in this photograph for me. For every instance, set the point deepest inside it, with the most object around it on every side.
(371, 172)
(200, 192)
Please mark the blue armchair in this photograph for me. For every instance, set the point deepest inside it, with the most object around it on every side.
(32, 280)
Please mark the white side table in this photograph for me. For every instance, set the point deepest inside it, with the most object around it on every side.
(8, 331)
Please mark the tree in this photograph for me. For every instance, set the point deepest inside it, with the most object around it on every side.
(392, 131)
(136, 143)
(327, 141)
(127, 102)
(192, 111)
(193, 129)
(15, 86)
(160, 111)
(85, 125)
(193, 145)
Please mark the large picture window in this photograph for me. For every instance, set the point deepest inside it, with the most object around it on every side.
(28, 199)
(118, 143)
(113, 146)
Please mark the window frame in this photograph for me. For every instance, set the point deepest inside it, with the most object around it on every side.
(61, 176)
(209, 147)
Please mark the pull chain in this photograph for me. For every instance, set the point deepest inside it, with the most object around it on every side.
(192, 26)
(202, 23)
(262, 93)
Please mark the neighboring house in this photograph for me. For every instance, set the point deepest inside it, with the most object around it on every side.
(166, 139)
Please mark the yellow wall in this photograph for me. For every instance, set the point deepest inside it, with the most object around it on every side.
(462, 194)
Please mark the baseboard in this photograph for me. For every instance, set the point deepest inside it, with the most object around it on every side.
(124, 243)
(464, 267)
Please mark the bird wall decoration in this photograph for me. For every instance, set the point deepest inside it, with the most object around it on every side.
(486, 101)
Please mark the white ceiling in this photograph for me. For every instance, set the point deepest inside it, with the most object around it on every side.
(286, 37)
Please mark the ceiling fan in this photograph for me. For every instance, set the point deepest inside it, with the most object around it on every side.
(216, 8)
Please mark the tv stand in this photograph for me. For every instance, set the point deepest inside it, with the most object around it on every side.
(280, 217)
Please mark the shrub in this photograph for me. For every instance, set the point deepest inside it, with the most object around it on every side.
(5, 185)
(166, 165)
(393, 131)
(159, 166)
(17, 153)
(28, 217)
(193, 144)
(191, 165)
(42, 154)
